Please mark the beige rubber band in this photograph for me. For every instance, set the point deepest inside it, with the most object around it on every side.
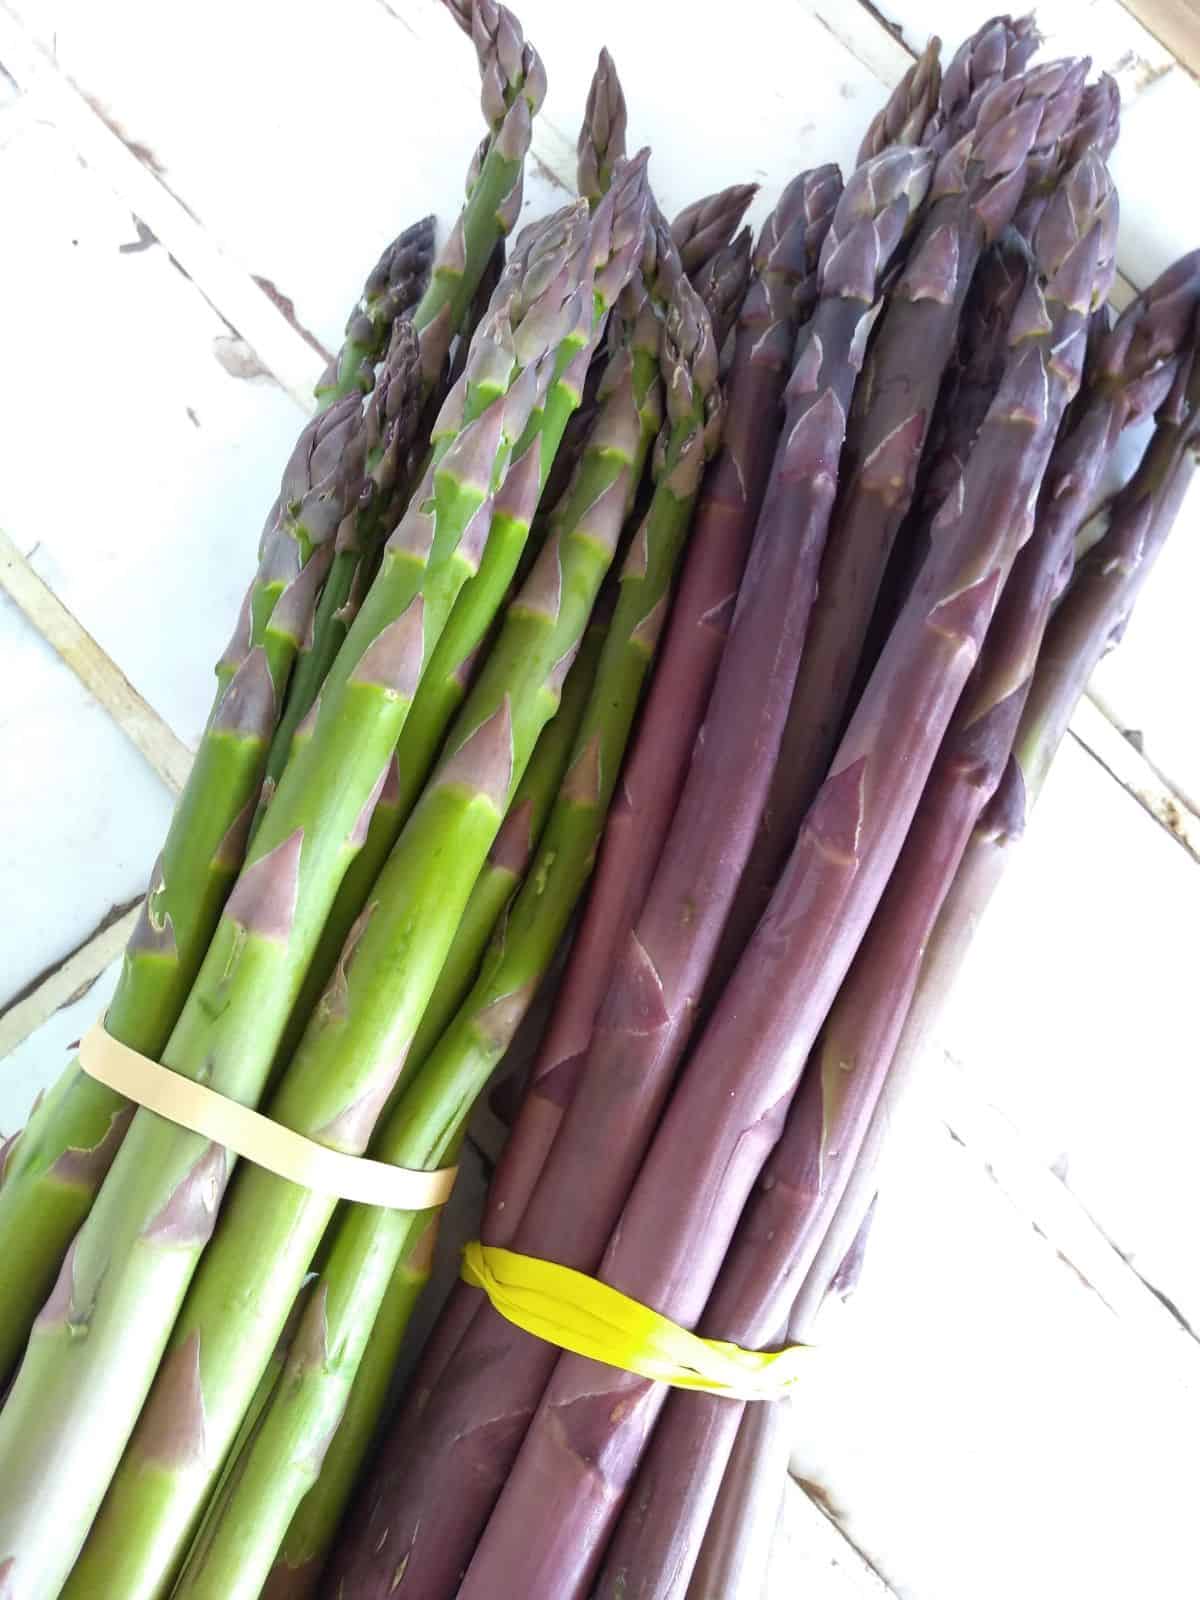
(248, 1133)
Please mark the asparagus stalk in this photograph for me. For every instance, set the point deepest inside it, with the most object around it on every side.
(439, 696)
(715, 263)
(977, 187)
(803, 1181)
(601, 142)
(779, 300)
(415, 1523)
(735, 1556)
(509, 858)
(354, 1049)
(910, 106)
(585, 1442)
(427, 1124)
(126, 1273)
(969, 387)
(1088, 622)
(302, 1552)
(394, 287)
(392, 417)
(58, 1163)
(513, 89)
(299, 1567)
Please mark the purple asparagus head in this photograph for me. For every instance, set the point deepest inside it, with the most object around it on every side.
(998, 50)
(910, 108)
(508, 66)
(602, 136)
(706, 226)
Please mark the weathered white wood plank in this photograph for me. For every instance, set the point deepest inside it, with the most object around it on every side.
(81, 814)
(339, 124)
(811, 1557)
(169, 757)
(1176, 26)
(59, 989)
(980, 1423)
(37, 1060)
(141, 464)
(278, 345)
(1075, 1015)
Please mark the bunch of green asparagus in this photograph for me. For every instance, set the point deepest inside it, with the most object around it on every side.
(704, 606)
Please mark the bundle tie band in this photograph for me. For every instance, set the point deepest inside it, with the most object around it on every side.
(590, 1318)
(248, 1133)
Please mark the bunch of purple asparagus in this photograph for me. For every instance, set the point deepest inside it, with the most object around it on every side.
(683, 617)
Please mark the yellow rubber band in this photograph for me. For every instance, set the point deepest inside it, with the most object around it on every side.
(578, 1313)
(248, 1133)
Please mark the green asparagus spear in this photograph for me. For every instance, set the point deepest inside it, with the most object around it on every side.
(513, 89)
(59, 1162)
(128, 1268)
(354, 1048)
(509, 858)
(616, 225)
(426, 1126)
(302, 1552)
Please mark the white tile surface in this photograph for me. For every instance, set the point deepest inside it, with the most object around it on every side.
(81, 814)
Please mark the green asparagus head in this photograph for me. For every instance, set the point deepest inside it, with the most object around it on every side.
(691, 375)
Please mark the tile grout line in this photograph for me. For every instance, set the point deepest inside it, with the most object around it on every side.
(226, 285)
(98, 673)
